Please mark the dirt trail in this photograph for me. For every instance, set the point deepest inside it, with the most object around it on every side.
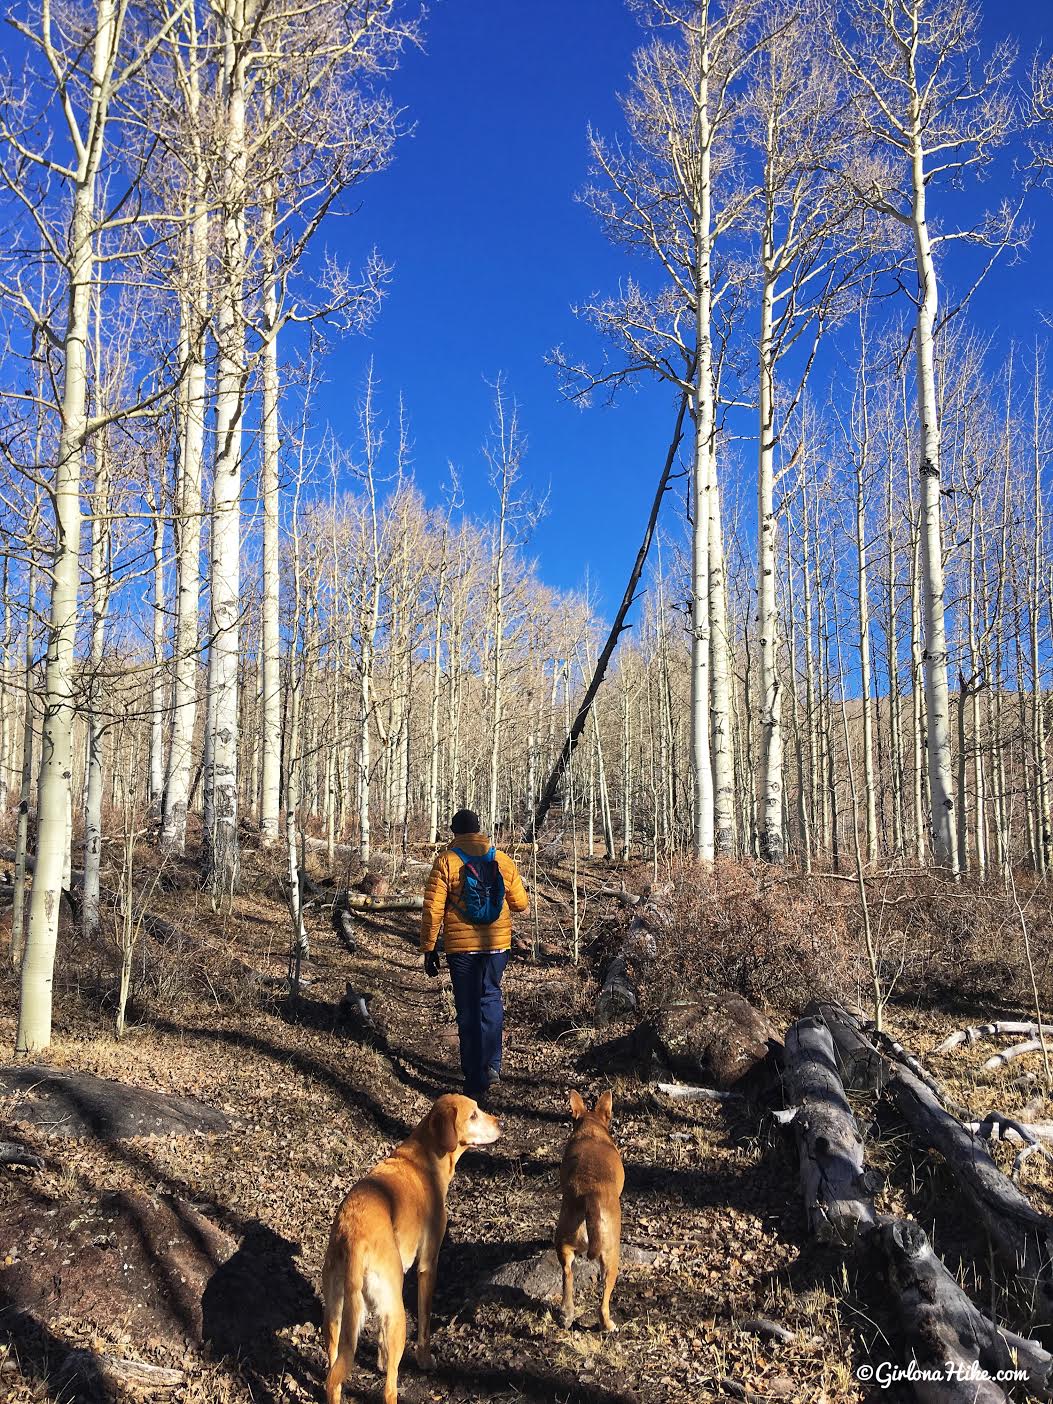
(713, 1213)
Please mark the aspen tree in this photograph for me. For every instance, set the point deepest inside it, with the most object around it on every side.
(187, 60)
(1040, 453)
(805, 212)
(932, 116)
(220, 845)
(95, 70)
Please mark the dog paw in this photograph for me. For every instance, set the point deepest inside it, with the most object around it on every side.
(609, 1325)
(425, 1360)
(566, 1319)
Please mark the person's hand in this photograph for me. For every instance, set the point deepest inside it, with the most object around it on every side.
(431, 963)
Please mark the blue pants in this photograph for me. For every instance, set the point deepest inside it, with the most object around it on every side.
(476, 977)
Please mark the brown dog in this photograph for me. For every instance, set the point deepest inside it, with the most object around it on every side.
(590, 1217)
(392, 1218)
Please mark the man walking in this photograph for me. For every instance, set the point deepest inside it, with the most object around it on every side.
(472, 892)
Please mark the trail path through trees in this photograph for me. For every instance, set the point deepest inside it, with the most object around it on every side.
(201, 1252)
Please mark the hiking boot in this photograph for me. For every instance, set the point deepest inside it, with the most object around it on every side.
(493, 1078)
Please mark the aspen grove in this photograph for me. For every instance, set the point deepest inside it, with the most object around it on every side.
(526, 649)
(223, 622)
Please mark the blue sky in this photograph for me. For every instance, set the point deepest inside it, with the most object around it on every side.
(490, 251)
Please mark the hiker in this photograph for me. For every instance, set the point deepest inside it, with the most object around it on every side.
(472, 892)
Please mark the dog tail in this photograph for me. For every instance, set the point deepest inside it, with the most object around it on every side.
(593, 1226)
(344, 1305)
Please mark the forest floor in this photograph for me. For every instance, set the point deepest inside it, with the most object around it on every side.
(202, 1253)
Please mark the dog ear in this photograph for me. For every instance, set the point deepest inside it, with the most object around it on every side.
(444, 1126)
(604, 1107)
(577, 1106)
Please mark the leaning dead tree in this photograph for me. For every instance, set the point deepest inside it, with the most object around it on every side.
(619, 626)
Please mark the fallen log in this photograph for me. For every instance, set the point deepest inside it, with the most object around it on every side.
(619, 894)
(898, 1054)
(1003, 1027)
(996, 1125)
(946, 1334)
(681, 1092)
(344, 926)
(999, 1060)
(617, 997)
(362, 902)
(830, 1146)
(1022, 1237)
(354, 1009)
(952, 1350)
(134, 1373)
(859, 1062)
(768, 1330)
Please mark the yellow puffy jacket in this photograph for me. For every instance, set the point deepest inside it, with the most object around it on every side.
(442, 898)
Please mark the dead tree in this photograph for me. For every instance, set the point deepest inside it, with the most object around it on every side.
(548, 794)
(831, 1148)
(1020, 1235)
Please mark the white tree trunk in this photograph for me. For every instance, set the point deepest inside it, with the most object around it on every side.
(436, 687)
(702, 486)
(769, 793)
(220, 851)
(187, 516)
(7, 696)
(270, 738)
(722, 718)
(158, 709)
(937, 704)
(100, 599)
(26, 787)
(863, 606)
(56, 760)
(1044, 836)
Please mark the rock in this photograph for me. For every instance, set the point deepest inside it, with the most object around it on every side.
(156, 1264)
(539, 1278)
(79, 1105)
(714, 1040)
(144, 1260)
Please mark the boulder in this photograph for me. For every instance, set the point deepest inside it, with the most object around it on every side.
(78, 1105)
(714, 1040)
(538, 1280)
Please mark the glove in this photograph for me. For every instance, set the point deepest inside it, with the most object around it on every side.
(431, 963)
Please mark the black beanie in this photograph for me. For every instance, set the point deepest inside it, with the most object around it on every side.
(465, 821)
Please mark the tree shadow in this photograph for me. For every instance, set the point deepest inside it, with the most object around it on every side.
(553, 1386)
(67, 1376)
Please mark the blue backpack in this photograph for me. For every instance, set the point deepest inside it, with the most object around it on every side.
(483, 893)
